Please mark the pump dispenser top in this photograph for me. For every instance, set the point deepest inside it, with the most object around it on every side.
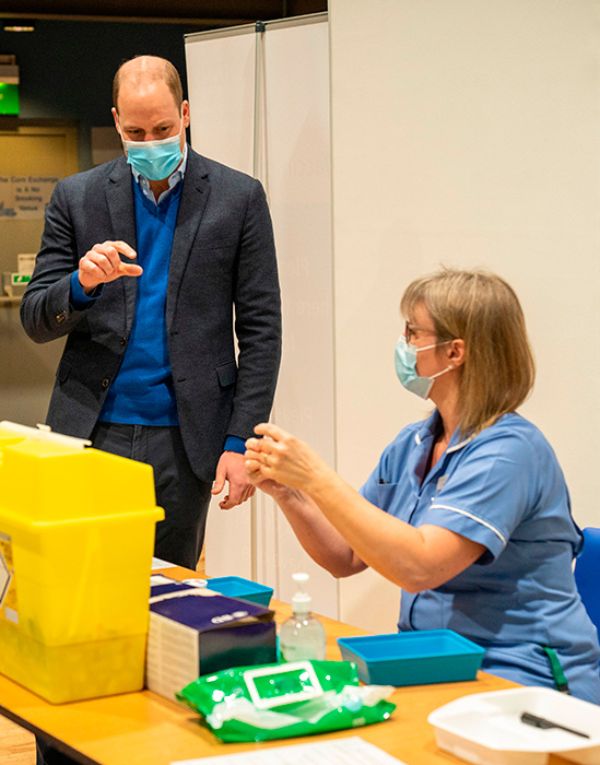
(301, 600)
(302, 635)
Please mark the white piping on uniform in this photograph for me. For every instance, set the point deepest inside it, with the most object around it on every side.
(459, 446)
(500, 536)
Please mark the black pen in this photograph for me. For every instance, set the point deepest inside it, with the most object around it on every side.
(542, 722)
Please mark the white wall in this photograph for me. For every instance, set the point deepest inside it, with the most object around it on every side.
(467, 133)
(463, 133)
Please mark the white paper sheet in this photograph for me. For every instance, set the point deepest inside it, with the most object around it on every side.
(345, 751)
(158, 563)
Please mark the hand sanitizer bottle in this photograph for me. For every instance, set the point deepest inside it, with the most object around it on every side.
(302, 635)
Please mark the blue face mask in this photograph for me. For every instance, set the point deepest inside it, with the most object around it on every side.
(155, 160)
(406, 368)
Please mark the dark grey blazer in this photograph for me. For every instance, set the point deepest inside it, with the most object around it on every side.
(223, 258)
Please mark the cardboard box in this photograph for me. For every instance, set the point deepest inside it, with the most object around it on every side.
(194, 631)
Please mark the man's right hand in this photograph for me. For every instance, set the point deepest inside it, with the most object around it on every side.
(102, 264)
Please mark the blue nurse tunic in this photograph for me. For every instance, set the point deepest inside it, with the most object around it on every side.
(504, 489)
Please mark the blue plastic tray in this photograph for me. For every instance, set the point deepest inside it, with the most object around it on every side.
(238, 587)
(413, 658)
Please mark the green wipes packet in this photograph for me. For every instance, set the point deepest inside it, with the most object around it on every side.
(298, 698)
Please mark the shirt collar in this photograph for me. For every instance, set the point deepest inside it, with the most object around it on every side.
(175, 177)
(430, 428)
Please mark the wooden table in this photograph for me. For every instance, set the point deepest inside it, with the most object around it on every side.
(145, 729)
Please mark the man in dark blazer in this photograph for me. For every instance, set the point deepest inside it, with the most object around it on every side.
(152, 265)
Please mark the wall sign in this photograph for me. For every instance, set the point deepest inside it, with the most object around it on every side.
(24, 197)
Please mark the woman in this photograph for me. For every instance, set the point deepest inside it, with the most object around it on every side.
(476, 525)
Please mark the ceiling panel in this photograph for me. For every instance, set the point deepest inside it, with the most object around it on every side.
(208, 13)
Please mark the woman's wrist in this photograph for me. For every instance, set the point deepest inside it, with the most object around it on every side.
(322, 481)
(287, 494)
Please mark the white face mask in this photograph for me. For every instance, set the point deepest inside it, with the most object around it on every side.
(406, 368)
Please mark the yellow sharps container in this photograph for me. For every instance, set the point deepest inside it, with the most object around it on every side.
(76, 539)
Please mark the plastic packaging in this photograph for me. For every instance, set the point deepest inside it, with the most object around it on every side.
(275, 701)
(302, 635)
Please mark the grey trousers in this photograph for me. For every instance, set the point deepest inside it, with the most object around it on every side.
(179, 492)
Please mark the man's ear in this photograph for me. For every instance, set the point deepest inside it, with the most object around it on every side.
(185, 113)
(115, 115)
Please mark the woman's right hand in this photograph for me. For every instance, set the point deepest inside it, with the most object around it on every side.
(282, 458)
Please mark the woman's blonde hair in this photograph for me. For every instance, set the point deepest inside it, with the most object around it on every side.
(484, 311)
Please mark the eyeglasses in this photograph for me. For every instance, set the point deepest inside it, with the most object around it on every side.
(411, 330)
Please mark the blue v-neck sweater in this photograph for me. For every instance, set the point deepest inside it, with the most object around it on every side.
(142, 393)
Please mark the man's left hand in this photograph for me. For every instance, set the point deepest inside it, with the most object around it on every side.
(232, 468)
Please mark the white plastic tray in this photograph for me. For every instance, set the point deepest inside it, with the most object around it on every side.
(485, 728)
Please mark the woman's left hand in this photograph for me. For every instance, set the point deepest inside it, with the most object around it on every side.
(281, 457)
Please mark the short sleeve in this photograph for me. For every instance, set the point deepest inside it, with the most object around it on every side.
(487, 494)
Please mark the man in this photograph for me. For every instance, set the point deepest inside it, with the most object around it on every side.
(143, 261)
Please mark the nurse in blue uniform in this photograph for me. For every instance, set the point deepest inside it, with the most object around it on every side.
(468, 511)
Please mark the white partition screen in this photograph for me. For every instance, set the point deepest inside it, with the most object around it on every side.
(260, 102)
(221, 74)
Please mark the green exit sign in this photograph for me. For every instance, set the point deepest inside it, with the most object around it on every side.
(9, 99)
(20, 279)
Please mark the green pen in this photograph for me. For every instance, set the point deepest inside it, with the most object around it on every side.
(557, 671)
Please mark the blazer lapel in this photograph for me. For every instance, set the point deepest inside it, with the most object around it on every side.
(194, 196)
(119, 197)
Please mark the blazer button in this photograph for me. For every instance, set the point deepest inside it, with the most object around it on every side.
(105, 383)
(123, 341)
(60, 317)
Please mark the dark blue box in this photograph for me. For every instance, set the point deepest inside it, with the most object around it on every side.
(193, 632)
